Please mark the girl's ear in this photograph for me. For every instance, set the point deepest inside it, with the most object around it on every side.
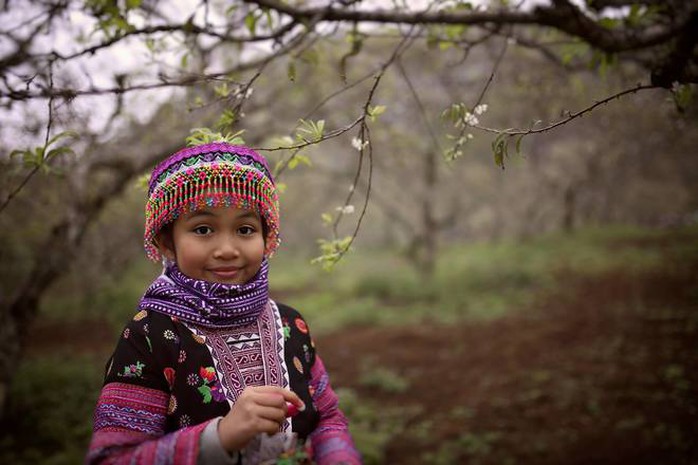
(165, 244)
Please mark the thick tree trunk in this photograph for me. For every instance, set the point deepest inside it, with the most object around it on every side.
(52, 261)
(105, 173)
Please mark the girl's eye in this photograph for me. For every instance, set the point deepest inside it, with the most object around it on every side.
(246, 230)
(203, 230)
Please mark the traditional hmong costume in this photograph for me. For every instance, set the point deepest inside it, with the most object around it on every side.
(194, 345)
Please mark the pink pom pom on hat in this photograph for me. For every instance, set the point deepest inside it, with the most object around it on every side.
(210, 176)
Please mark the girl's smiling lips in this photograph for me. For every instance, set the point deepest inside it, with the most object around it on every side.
(225, 272)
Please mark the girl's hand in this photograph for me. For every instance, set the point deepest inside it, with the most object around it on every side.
(259, 409)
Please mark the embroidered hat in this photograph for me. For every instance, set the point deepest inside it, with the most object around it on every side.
(211, 175)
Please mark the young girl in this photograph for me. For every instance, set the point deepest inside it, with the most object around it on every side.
(211, 370)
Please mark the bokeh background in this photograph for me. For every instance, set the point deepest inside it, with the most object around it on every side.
(542, 312)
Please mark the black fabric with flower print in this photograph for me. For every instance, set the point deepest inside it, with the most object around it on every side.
(158, 352)
(300, 356)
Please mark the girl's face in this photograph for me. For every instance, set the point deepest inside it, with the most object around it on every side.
(222, 245)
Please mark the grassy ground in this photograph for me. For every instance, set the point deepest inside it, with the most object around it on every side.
(562, 349)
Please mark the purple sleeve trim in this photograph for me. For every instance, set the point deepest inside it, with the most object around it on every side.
(331, 441)
(130, 429)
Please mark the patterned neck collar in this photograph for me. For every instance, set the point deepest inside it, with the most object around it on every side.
(212, 305)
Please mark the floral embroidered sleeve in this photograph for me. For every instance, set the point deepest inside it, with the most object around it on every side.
(331, 442)
(130, 419)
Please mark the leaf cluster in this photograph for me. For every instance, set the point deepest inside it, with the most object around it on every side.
(39, 157)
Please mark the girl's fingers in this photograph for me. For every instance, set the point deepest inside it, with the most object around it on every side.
(272, 393)
(267, 426)
(276, 415)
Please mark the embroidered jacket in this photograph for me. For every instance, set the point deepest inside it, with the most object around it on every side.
(162, 388)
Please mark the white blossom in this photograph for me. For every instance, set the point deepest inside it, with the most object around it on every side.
(356, 143)
(480, 109)
(346, 210)
(470, 119)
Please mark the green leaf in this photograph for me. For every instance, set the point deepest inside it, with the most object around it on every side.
(332, 251)
(62, 135)
(251, 22)
(201, 136)
(297, 160)
(374, 112)
(635, 15)
(222, 90)
(682, 95)
(142, 182)
(454, 31)
(310, 131)
(270, 20)
(356, 40)
(206, 393)
(226, 120)
(499, 149)
(609, 23)
(58, 152)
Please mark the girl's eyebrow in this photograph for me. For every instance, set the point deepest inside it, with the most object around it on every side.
(207, 213)
(198, 213)
(249, 214)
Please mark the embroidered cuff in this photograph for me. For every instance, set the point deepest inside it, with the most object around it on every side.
(211, 452)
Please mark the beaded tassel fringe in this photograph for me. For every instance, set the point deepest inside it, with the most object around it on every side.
(211, 185)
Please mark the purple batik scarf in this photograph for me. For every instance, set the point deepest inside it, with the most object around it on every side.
(204, 303)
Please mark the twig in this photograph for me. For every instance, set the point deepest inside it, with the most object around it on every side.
(420, 105)
(495, 68)
(186, 81)
(364, 136)
(33, 172)
(572, 116)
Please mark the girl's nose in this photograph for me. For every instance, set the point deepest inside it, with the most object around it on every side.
(226, 248)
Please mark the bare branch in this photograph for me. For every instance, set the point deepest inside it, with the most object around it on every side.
(562, 16)
(185, 28)
(570, 117)
(420, 106)
(186, 81)
(32, 173)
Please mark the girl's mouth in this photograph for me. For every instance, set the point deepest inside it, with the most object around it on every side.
(228, 272)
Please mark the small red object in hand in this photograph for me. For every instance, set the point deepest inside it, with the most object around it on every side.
(292, 410)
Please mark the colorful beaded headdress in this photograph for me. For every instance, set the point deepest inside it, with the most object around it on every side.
(211, 175)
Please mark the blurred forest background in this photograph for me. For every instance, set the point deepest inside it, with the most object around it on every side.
(535, 306)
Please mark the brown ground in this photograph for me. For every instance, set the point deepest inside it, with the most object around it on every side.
(605, 371)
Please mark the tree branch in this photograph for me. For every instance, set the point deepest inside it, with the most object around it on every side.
(572, 116)
(562, 16)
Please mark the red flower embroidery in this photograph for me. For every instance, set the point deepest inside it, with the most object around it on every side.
(169, 376)
(207, 373)
(302, 327)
